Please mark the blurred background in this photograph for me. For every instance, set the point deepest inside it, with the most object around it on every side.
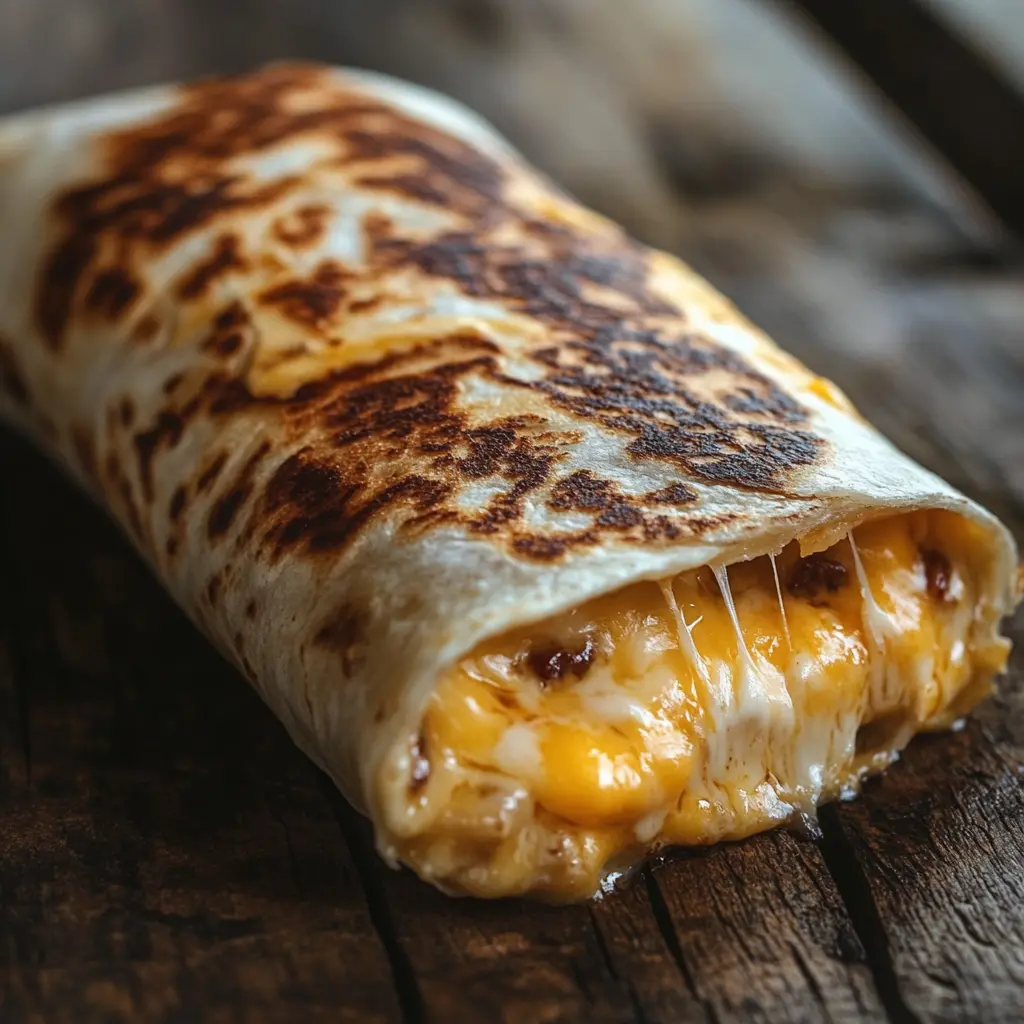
(729, 131)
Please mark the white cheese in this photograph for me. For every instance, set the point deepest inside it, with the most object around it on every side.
(518, 752)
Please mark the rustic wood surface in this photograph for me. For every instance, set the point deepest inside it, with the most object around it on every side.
(167, 855)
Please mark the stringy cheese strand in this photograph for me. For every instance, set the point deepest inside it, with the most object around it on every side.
(686, 643)
(782, 606)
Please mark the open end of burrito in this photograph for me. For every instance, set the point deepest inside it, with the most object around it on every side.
(703, 707)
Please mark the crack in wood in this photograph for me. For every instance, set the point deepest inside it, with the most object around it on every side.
(663, 918)
(609, 963)
(369, 869)
(852, 885)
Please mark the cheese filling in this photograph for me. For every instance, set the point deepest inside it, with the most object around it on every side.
(705, 707)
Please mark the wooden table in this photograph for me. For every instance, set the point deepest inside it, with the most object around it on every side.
(166, 854)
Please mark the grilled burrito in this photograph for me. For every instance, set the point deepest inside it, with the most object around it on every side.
(540, 550)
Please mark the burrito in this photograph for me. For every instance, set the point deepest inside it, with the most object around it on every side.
(535, 545)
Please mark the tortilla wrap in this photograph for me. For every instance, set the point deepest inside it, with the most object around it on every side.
(369, 394)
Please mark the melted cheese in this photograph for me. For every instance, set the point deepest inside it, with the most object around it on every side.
(709, 706)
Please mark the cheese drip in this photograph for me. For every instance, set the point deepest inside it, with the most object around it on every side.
(707, 706)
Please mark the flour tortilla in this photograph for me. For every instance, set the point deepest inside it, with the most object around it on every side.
(364, 389)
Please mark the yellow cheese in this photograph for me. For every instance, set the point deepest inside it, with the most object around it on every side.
(705, 707)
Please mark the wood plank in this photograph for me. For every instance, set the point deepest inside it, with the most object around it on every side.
(167, 853)
(766, 935)
(939, 843)
(952, 95)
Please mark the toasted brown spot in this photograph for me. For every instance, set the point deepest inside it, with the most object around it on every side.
(209, 475)
(173, 383)
(172, 546)
(112, 466)
(449, 173)
(364, 305)
(312, 302)
(250, 610)
(231, 317)
(287, 354)
(228, 330)
(227, 507)
(550, 664)
(177, 505)
(146, 329)
(222, 261)
(547, 548)
(213, 588)
(620, 516)
(126, 412)
(344, 634)
(224, 512)
(815, 574)
(664, 528)
(583, 491)
(938, 573)
(675, 494)
(377, 227)
(111, 293)
(226, 346)
(304, 226)
(167, 429)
